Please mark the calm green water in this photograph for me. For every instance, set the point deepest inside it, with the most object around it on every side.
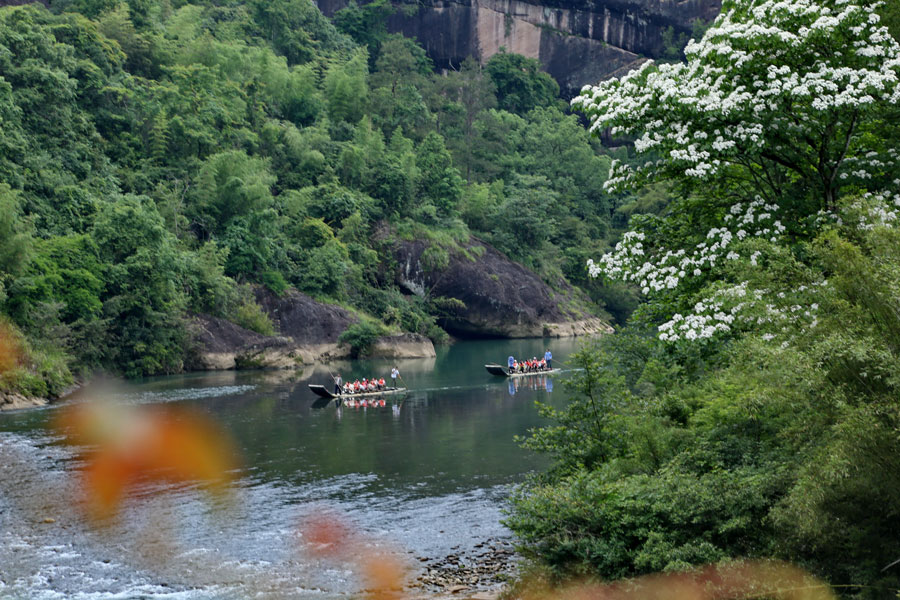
(425, 475)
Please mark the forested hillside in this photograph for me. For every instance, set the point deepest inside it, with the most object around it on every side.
(159, 157)
(750, 408)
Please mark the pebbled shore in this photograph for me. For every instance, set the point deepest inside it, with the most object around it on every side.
(479, 574)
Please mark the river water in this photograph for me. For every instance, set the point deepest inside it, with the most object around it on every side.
(423, 477)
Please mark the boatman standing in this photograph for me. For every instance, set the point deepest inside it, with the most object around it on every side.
(338, 384)
(548, 357)
(511, 363)
(394, 375)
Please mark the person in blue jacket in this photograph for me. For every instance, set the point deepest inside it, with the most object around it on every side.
(548, 357)
(510, 362)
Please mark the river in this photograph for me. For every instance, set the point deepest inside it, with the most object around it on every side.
(424, 476)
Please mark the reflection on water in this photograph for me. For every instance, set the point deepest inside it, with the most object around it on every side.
(364, 403)
(427, 472)
(533, 383)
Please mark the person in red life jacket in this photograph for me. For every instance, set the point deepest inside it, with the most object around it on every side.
(381, 383)
(356, 386)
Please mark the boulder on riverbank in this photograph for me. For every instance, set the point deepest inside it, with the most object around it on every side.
(489, 295)
(309, 332)
(403, 345)
(14, 401)
(219, 344)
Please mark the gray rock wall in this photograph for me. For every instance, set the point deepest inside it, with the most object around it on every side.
(576, 43)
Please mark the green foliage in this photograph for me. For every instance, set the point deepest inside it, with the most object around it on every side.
(230, 185)
(434, 259)
(753, 449)
(586, 433)
(14, 243)
(366, 23)
(333, 204)
(66, 271)
(249, 315)
(520, 83)
(41, 373)
(322, 270)
(204, 282)
(141, 300)
(361, 337)
(890, 15)
(295, 29)
(598, 525)
(346, 89)
(439, 182)
(274, 281)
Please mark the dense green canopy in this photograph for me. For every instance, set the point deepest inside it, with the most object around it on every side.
(158, 157)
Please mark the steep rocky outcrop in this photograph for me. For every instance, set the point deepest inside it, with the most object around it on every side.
(577, 42)
(500, 298)
(308, 333)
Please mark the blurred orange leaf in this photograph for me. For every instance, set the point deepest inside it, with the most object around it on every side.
(126, 445)
(326, 535)
(384, 577)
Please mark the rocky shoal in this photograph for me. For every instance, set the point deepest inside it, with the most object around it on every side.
(478, 574)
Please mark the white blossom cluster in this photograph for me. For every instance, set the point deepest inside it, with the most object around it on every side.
(877, 209)
(661, 269)
(738, 307)
(767, 73)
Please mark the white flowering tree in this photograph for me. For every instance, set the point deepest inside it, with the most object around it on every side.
(776, 109)
(775, 92)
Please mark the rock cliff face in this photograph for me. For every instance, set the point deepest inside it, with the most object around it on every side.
(577, 42)
(502, 298)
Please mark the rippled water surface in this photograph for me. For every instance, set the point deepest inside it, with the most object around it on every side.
(426, 475)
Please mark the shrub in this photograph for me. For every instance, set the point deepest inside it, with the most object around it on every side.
(274, 281)
(361, 337)
(250, 315)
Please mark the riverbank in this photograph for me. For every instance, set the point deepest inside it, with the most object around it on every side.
(478, 574)
(218, 344)
(16, 401)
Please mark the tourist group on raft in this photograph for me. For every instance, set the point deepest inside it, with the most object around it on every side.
(375, 384)
(532, 365)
